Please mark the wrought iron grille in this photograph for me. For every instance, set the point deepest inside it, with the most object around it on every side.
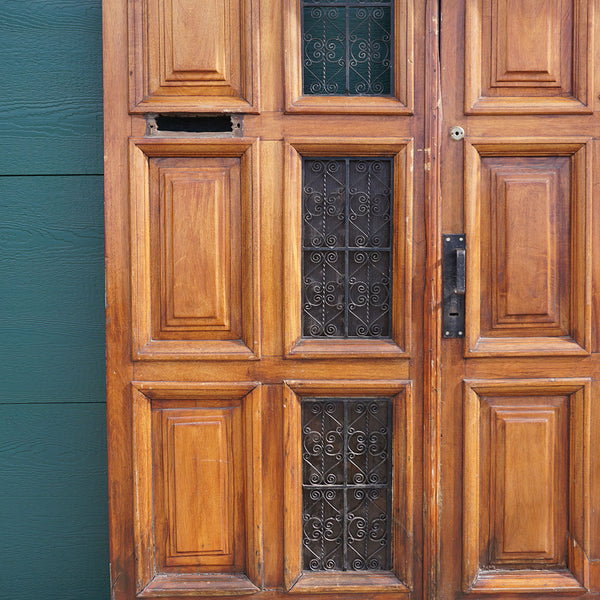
(347, 247)
(347, 47)
(346, 483)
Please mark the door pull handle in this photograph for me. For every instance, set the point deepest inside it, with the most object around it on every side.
(454, 284)
(461, 271)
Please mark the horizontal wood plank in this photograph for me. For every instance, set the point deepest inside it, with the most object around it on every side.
(52, 273)
(51, 87)
(54, 501)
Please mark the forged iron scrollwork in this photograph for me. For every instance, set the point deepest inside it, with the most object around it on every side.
(347, 247)
(347, 483)
(347, 47)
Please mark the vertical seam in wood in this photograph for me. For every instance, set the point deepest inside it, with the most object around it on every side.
(431, 404)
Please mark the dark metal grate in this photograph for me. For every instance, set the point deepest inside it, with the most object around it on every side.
(347, 47)
(347, 247)
(346, 483)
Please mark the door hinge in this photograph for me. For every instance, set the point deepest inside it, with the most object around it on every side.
(454, 271)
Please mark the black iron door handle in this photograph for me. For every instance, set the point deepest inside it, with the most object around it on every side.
(454, 282)
(461, 271)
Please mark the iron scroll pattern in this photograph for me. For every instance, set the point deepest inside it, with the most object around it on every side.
(347, 47)
(347, 484)
(347, 248)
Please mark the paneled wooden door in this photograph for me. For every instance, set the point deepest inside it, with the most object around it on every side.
(519, 413)
(284, 416)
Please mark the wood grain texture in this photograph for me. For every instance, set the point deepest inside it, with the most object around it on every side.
(182, 58)
(196, 238)
(524, 446)
(526, 212)
(53, 497)
(51, 87)
(401, 102)
(52, 289)
(523, 57)
(199, 450)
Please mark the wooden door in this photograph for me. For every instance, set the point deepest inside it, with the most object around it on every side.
(519, 416)
(284, 416)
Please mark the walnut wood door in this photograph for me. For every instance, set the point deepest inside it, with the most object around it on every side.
(519, 400)
(285, 417)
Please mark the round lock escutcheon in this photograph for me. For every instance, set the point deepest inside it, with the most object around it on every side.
(457, 133)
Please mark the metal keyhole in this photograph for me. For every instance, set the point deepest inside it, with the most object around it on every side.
(457, 133)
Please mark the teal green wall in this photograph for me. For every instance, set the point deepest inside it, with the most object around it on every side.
(53, 491)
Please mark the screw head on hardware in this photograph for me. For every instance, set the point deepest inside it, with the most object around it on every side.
(457, 133)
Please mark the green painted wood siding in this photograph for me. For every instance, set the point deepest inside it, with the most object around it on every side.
(53, 491)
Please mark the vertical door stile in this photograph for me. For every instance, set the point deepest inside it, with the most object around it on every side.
(432, 305)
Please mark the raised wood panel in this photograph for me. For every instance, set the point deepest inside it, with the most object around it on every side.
(195, 41)
(528, 57)
(528, 220)
(525, 443)
(527, 204)
(526, 207)
(194, 249)
(197, 216)
(190, 57)
(197, 487)
(199, 450)
(400, 102)
(400, 578)
(528, 485)
(524, 50)
(401, 150)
